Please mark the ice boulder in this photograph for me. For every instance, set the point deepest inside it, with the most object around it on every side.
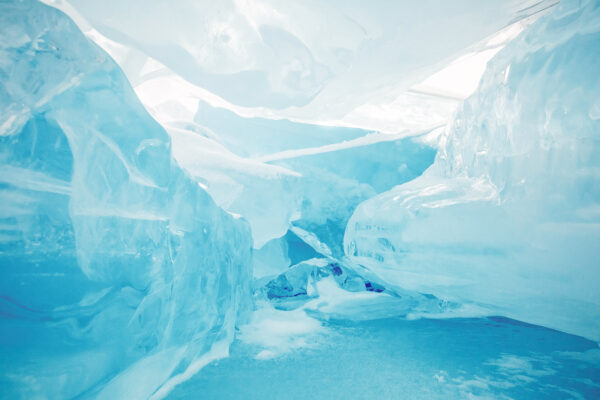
(119, 274)
(508, 216)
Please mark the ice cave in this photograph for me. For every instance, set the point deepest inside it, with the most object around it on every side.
(315, 199)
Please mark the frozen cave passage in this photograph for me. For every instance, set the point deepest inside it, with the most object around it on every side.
(256, 199)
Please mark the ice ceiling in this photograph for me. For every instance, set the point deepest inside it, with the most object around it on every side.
(174, 171)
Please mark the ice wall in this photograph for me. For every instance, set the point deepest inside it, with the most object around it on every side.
(119, 272)
(507, 218)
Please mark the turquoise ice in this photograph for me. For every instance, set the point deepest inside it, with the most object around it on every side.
(268, 199)
(507, 217)
(116, 266)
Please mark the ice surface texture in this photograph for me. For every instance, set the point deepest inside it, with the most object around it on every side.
(508, 216)
(336, 61)
(116, 266)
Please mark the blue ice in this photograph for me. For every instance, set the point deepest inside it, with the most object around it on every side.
(265, 200)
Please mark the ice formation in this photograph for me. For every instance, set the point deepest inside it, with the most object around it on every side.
(507, 216)
(340, 63)
(235, 146)
(117, 267)
(163, 175)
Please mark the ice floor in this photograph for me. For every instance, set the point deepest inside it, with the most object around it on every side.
(420, 359)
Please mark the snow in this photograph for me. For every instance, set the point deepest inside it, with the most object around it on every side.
(423, 359)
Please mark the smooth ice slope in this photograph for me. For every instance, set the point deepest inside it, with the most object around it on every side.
(118, 270)
(508, 216)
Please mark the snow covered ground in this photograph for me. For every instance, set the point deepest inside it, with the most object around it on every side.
(490, 358)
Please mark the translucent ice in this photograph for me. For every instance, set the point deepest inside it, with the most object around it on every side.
(119, 272)
(508, 216)
(136, 201)
(336, 63)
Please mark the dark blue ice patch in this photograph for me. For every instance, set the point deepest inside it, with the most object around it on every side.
(373, 287)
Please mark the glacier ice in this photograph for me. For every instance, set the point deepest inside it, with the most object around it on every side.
(117, 267)
(247, 182)
(507, 217)
(206, 129)
(338, 63)
(336, 178)
(225, 162)
(275, 172)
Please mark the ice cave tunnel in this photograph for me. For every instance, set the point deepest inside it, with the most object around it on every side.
(316, 199)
